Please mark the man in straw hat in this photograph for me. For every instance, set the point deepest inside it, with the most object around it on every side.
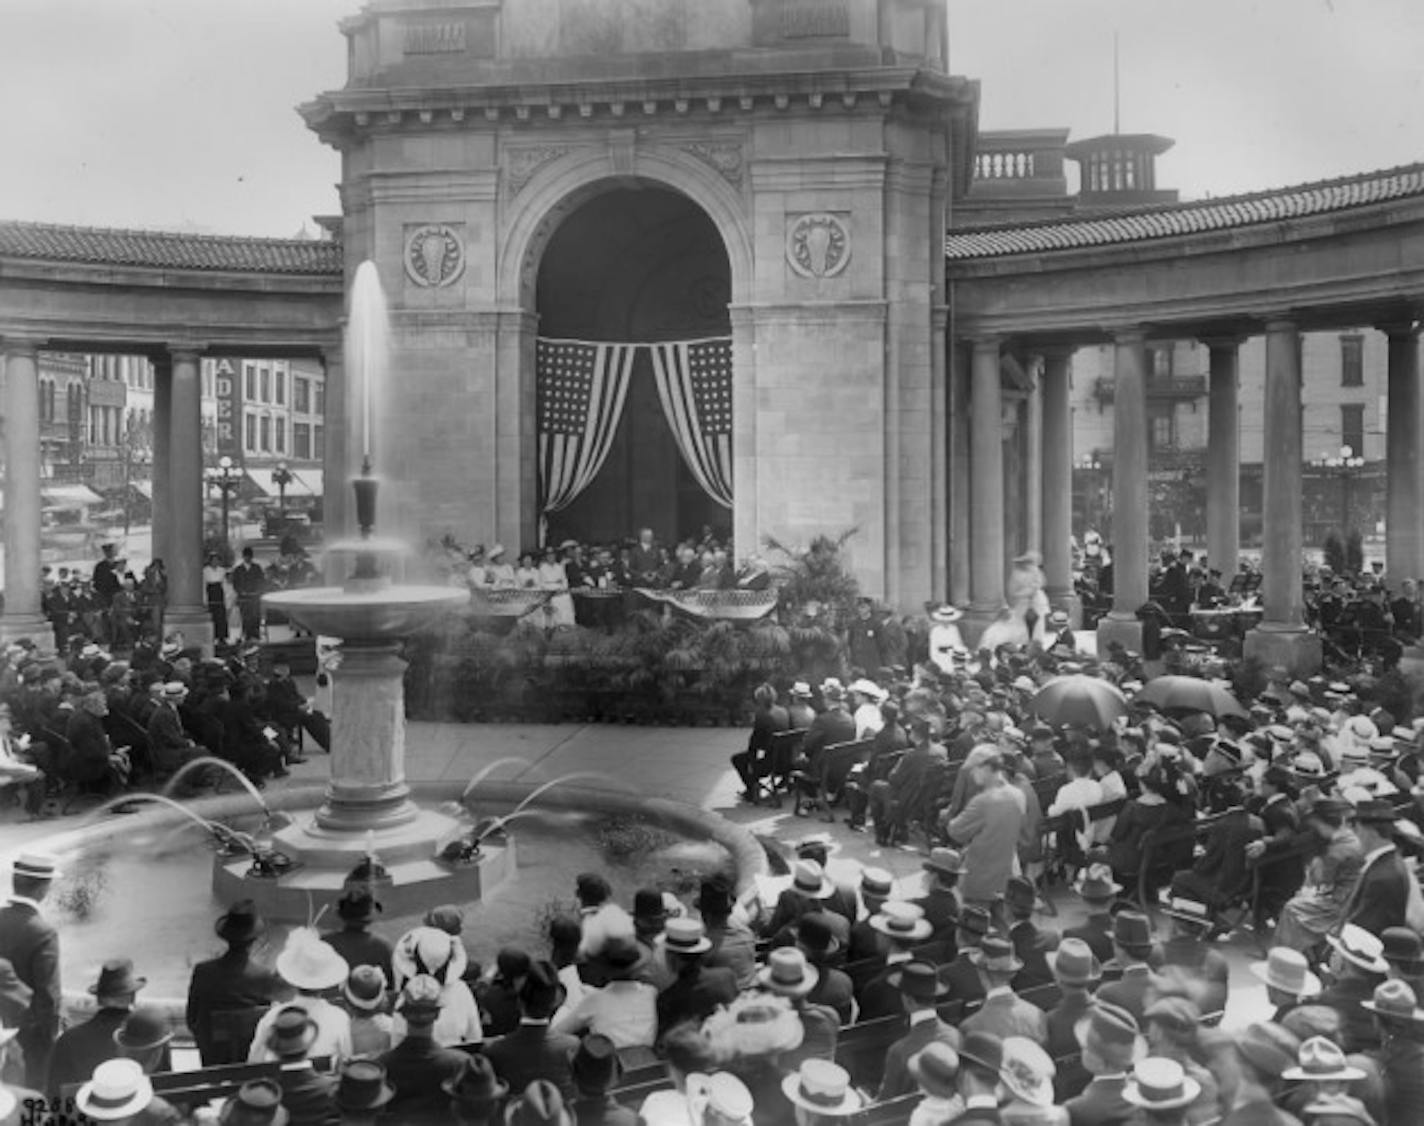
(718, 1099)
(921, 990)
(697, 988)
(311, 968)
(820, 1090)
(81, 1049)
(1358, 966)
(788, 975)
(476, 1093)
(1004, 1013)
(120, 1092)
(810, 889)
(1287, 978)
(1110, 1043)
(876, 886)
(31, 944)
(1162, 1090)
(902, 927)
(227, 985)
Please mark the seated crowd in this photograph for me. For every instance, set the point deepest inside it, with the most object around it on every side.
(93, 724)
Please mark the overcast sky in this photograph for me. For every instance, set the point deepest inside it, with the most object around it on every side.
(181, 113)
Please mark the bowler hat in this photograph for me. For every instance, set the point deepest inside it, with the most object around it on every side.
(142, 1031)
(476, 1083)
(714, 897)
(1402, 947)
(240, 923)
(984, 1049)
(816, 934)
(258, 1102)
(919, 980)
(594, 1064)
(363, 1086)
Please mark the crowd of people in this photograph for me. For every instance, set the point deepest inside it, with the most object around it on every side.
(94, 724)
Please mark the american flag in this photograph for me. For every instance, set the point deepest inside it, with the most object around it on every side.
(695, 385)
(581, 388)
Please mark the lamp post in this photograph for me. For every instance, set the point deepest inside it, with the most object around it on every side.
(1087, 467)
(1342, 464)
(283, 477)
(227, 477)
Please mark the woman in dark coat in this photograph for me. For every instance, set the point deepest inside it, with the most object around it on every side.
(1162, 806)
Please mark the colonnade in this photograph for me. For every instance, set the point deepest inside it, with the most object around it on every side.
(178, 482)
(1282, 638)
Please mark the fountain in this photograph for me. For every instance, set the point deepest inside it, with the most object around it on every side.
(367, 827)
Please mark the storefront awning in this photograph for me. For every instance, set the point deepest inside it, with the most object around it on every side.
(304, 482)
(69, 496)
(143, 488)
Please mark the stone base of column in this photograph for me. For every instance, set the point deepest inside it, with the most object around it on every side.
(1126, 631)
(193, 622)
(975, 622)
(1294, 650)
(34, 626)
(1069, 602)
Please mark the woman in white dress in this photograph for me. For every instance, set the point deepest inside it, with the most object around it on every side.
(498, 572)
(526, 575)
(553, 577)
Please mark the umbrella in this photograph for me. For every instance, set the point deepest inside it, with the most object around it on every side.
(1191, 693)
(1088, 701)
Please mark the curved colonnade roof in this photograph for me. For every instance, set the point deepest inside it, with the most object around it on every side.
(227, 254)
(1175, 220)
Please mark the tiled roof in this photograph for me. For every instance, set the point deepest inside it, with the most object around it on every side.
(168, 250)
(1177, 219)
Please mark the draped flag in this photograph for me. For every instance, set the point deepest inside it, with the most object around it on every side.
(695, 385)
(581, 389)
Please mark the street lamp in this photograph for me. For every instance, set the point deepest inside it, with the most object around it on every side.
(1342, 464)
(227, 477)
(283, 477)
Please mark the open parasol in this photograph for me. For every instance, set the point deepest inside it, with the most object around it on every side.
(1191, 693)
(1086, 701)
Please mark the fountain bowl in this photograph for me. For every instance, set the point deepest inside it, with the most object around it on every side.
(386, 613)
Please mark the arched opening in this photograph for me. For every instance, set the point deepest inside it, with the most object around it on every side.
(641, 264)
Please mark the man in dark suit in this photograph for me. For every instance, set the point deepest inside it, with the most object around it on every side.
(981, 1060)
(1133, 950)
(595, 1069)
(308, 1096)
(1188, 958)
(753, 763)
(1004, 1012)
(920, 991)
(1110, 1042)
(284, 704)
(533, 1051)
(358, 909)
(228, 985)
(79, 1050)
(903, 926)
(1032, 943)
(697, 989)
(1077, 972)
(842, 900)
(418, 1066)
(1382, 892)
(645, 565)
(1097, 891)
(249, 581)
(890, 799)
(941, 898)
(30, 944)
(169, 745)
(962, 975)
(92, 761)
(816, 937)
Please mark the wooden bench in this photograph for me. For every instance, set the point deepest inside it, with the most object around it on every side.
(777, 780)
(861, 1047)
(823, 788)
(188, 1089)
(889, 1113)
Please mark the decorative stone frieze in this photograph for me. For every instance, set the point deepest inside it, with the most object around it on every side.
(725, 159)
(520, 164)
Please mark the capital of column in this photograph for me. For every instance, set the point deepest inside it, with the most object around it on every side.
(1127, 333)
(1400, 329)
(1223, 340)
(1047, 352)
(186, 351)
(1282, 323)
(987, 343)
(20, 344)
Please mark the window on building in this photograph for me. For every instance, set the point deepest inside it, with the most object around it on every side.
(301, 440)
(1163, 434)
(318, 398)
(318, 443)
(1352, 360)
(249, 382)
(279, 435)
(1352, 427)
(266, 431)
(249, 433)
(279, 385)
(301, 395)
(265, 379)
(1162, 362)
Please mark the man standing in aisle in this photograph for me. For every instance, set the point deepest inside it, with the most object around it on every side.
(249, 581)
(31, 944)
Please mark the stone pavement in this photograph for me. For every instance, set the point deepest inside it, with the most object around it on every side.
(684, 764)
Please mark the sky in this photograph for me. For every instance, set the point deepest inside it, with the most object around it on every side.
(181, 114)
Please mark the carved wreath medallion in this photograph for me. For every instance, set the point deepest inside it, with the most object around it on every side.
(434, 255)
(818, 245)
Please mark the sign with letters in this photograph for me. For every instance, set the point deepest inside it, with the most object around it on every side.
(227, 388)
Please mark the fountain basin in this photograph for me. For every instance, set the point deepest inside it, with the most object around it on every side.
(387, 613)
(166, 927)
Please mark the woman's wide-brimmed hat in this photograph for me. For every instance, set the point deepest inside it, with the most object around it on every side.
(429, 950)
(946, 614)
(1028, 1071)
(754, 1024)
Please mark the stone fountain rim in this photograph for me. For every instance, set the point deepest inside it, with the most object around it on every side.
(746, 851)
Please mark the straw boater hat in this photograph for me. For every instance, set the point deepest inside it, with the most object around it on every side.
(877, 882)
(904, 922)
(823, 1088)
(720, 1096)
(686, 936)
(1288, 971)
(1360, 948)
(788, 973)
(1160, 1084)
(946, 614)
(306, 962)
(1185, 909)
(118, 1090)
(808, 879)
(1322, 1059)
(37, 866)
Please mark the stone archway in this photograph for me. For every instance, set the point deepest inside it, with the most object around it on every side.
(557, 193)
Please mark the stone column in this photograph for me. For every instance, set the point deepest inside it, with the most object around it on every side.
(959, 463)
(986, 512)
(1404, 540)
(1129, 492)
(23, 615)
(1057, 487)
(939, 457)
(336, 467)
(1281, 641)
(186, 609)
(1033, 466)
(1223, 458)
(162, 499)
